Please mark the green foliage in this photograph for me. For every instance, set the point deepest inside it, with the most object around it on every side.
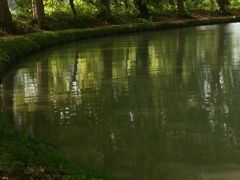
(52, 6)
(201, 5)
(24, 25)
(23, 8)
(146, 22)
(237, 18)
(64, 20)
(235, 4)
(59, 15)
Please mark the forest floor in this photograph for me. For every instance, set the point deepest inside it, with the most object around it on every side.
(164, 19)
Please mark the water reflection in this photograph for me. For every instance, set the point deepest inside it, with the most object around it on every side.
(7, 94)
(146, 106)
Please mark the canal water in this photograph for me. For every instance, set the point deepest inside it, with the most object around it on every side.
(153, 105)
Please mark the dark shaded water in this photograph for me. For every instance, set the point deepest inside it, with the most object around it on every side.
(155, 105)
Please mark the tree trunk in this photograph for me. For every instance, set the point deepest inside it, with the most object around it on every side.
(38, 12)
(105, 10)
(5, 17)
(74, 12)
(222, 4)
(181, 9)
(142, 7)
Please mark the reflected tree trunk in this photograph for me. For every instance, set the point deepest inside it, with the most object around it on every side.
(75, 71)
(43, 82)
(215, 84)
(142, 57)
(142, 97)
(1, 100)
(41, 119)
(8, 96)
(6, 23)
(107, 63)
(108, 103)
(106, 82)
(180, 53)
(75, 68)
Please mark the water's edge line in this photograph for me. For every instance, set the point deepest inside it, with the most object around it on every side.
(12, 50)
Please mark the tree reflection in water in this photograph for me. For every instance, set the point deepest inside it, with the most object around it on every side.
(146, 106)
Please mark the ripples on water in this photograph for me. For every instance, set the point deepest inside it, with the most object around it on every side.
(155, 105)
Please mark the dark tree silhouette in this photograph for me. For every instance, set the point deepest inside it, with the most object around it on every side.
(142, 7)
(5, 17)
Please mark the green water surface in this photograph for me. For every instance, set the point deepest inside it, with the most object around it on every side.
(155, 105)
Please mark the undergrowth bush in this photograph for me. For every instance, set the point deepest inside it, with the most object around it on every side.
(24, 25)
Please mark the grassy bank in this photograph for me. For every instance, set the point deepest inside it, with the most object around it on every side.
(22, 156)
(25, 157)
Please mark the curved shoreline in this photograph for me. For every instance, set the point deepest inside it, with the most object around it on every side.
(13, 49)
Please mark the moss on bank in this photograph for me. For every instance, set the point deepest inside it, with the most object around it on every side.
(22, 156)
